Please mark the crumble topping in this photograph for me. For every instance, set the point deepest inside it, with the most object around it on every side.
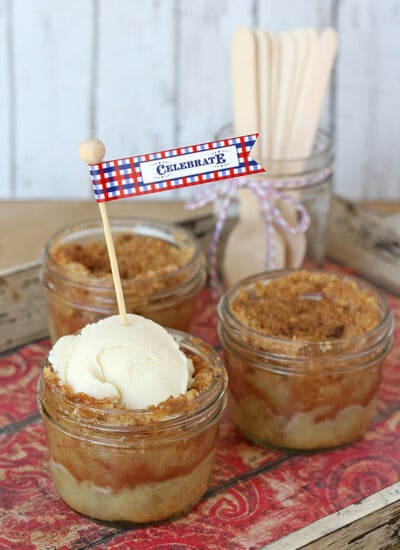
(138, 257)
(60, 398)
(307, 306)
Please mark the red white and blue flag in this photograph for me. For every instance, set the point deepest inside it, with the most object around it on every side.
(174, 168)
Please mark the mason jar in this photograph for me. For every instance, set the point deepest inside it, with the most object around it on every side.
(302, 394)
(138, 466)
(306, 180)
(165, 293)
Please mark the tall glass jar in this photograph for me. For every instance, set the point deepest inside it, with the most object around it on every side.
(76, 296)
(307, 180)
(138, 466)
(302, 394)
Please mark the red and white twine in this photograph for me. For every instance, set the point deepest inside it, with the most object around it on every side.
(268, 193)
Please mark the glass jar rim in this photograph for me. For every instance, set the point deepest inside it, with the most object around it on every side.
(375, 335)
(209, 399)
(94, 282)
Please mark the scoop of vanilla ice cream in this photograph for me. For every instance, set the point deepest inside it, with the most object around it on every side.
(136, 365)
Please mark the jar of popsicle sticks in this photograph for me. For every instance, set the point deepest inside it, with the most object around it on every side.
(274, 220)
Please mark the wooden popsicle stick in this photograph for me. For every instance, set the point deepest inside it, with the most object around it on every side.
(299, 37)
(92, 151)
(244, 81)
(305, 44)
(311, 41)
(286, 53)
(315, 92)
(295, 48)
(283, 54)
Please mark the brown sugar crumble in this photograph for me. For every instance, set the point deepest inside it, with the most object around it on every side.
(307, 306)
(138, 256)
(65, 400)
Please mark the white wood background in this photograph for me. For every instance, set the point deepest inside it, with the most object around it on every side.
(145, 75)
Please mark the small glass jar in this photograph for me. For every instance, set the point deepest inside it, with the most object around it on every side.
(313, 177)
(75, 299)
(301, 395)
(134, 465)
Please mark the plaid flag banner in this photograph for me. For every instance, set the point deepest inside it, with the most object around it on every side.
(174, 168)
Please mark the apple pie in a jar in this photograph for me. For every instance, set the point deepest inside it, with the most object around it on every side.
(117, 453)
(162, 268)
(304, 351)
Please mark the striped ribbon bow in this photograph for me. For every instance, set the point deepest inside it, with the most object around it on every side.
(268, 192)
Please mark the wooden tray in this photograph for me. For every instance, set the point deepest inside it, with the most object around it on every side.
(345, 498)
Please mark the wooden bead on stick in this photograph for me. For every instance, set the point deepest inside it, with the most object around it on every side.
(92, 151)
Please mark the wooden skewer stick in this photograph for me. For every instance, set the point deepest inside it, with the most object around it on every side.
(92, 151)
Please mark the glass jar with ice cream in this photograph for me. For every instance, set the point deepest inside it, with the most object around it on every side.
(132, 416)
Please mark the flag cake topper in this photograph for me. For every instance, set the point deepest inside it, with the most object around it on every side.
(154, 172)
(171, 169)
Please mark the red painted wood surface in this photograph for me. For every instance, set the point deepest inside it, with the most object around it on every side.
(256, 495)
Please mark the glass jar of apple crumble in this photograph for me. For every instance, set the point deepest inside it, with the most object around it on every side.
(138, 466)
(304, 351)
(162, 268)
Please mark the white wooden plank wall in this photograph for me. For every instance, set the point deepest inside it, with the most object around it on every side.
(145, 75)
